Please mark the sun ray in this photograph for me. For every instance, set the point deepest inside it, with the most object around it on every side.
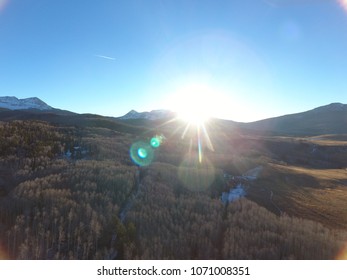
(185, 130)
(199, 144)
(195, 103)
(207, 137)
(167, 122)
(190, 147)
(176, 130)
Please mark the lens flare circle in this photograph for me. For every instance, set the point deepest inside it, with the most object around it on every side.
(343, 4)
(156, 142)
(196, 175)
(3, 4)
(342, 255)
(141, 153)
(3, 254)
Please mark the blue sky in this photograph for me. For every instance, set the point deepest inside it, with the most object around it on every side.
(254, 58)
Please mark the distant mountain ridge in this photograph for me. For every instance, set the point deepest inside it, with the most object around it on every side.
(328, 119)
(13, 103)
(331, 107)
(152, 115)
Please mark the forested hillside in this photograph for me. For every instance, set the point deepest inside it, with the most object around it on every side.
(181, 224)
(73, 192)
(58, 199)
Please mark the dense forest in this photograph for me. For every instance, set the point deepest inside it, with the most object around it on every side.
(73, 192)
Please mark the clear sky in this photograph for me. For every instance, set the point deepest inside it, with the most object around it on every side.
(252, 58)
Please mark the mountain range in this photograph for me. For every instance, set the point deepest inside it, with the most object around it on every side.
(152, 115)
(130, 179)
(328, 119)
(13, 103)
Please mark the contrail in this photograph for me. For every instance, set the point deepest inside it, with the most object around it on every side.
(105, 57)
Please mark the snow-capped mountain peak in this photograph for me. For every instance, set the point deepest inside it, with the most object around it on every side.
(13, 103)
(152, 115)
(131, 115)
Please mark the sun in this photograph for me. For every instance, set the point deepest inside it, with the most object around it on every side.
(194, 103)
(192, 115)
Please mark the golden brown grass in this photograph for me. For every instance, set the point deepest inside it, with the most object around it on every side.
(320, 174)
(317, 194)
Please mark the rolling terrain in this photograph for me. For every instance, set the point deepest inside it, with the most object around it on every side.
(71, 188)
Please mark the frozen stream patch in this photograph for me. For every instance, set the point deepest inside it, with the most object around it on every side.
(234, 194)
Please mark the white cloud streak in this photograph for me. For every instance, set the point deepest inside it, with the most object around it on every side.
(105, 57)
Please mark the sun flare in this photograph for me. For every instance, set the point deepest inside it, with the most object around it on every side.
(343, 3)
(195, 103)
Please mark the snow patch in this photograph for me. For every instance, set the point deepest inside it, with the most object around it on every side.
(234, 194)
(152, 115)
(13, 103)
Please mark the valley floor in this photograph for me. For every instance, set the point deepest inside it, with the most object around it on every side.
(290, 201)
